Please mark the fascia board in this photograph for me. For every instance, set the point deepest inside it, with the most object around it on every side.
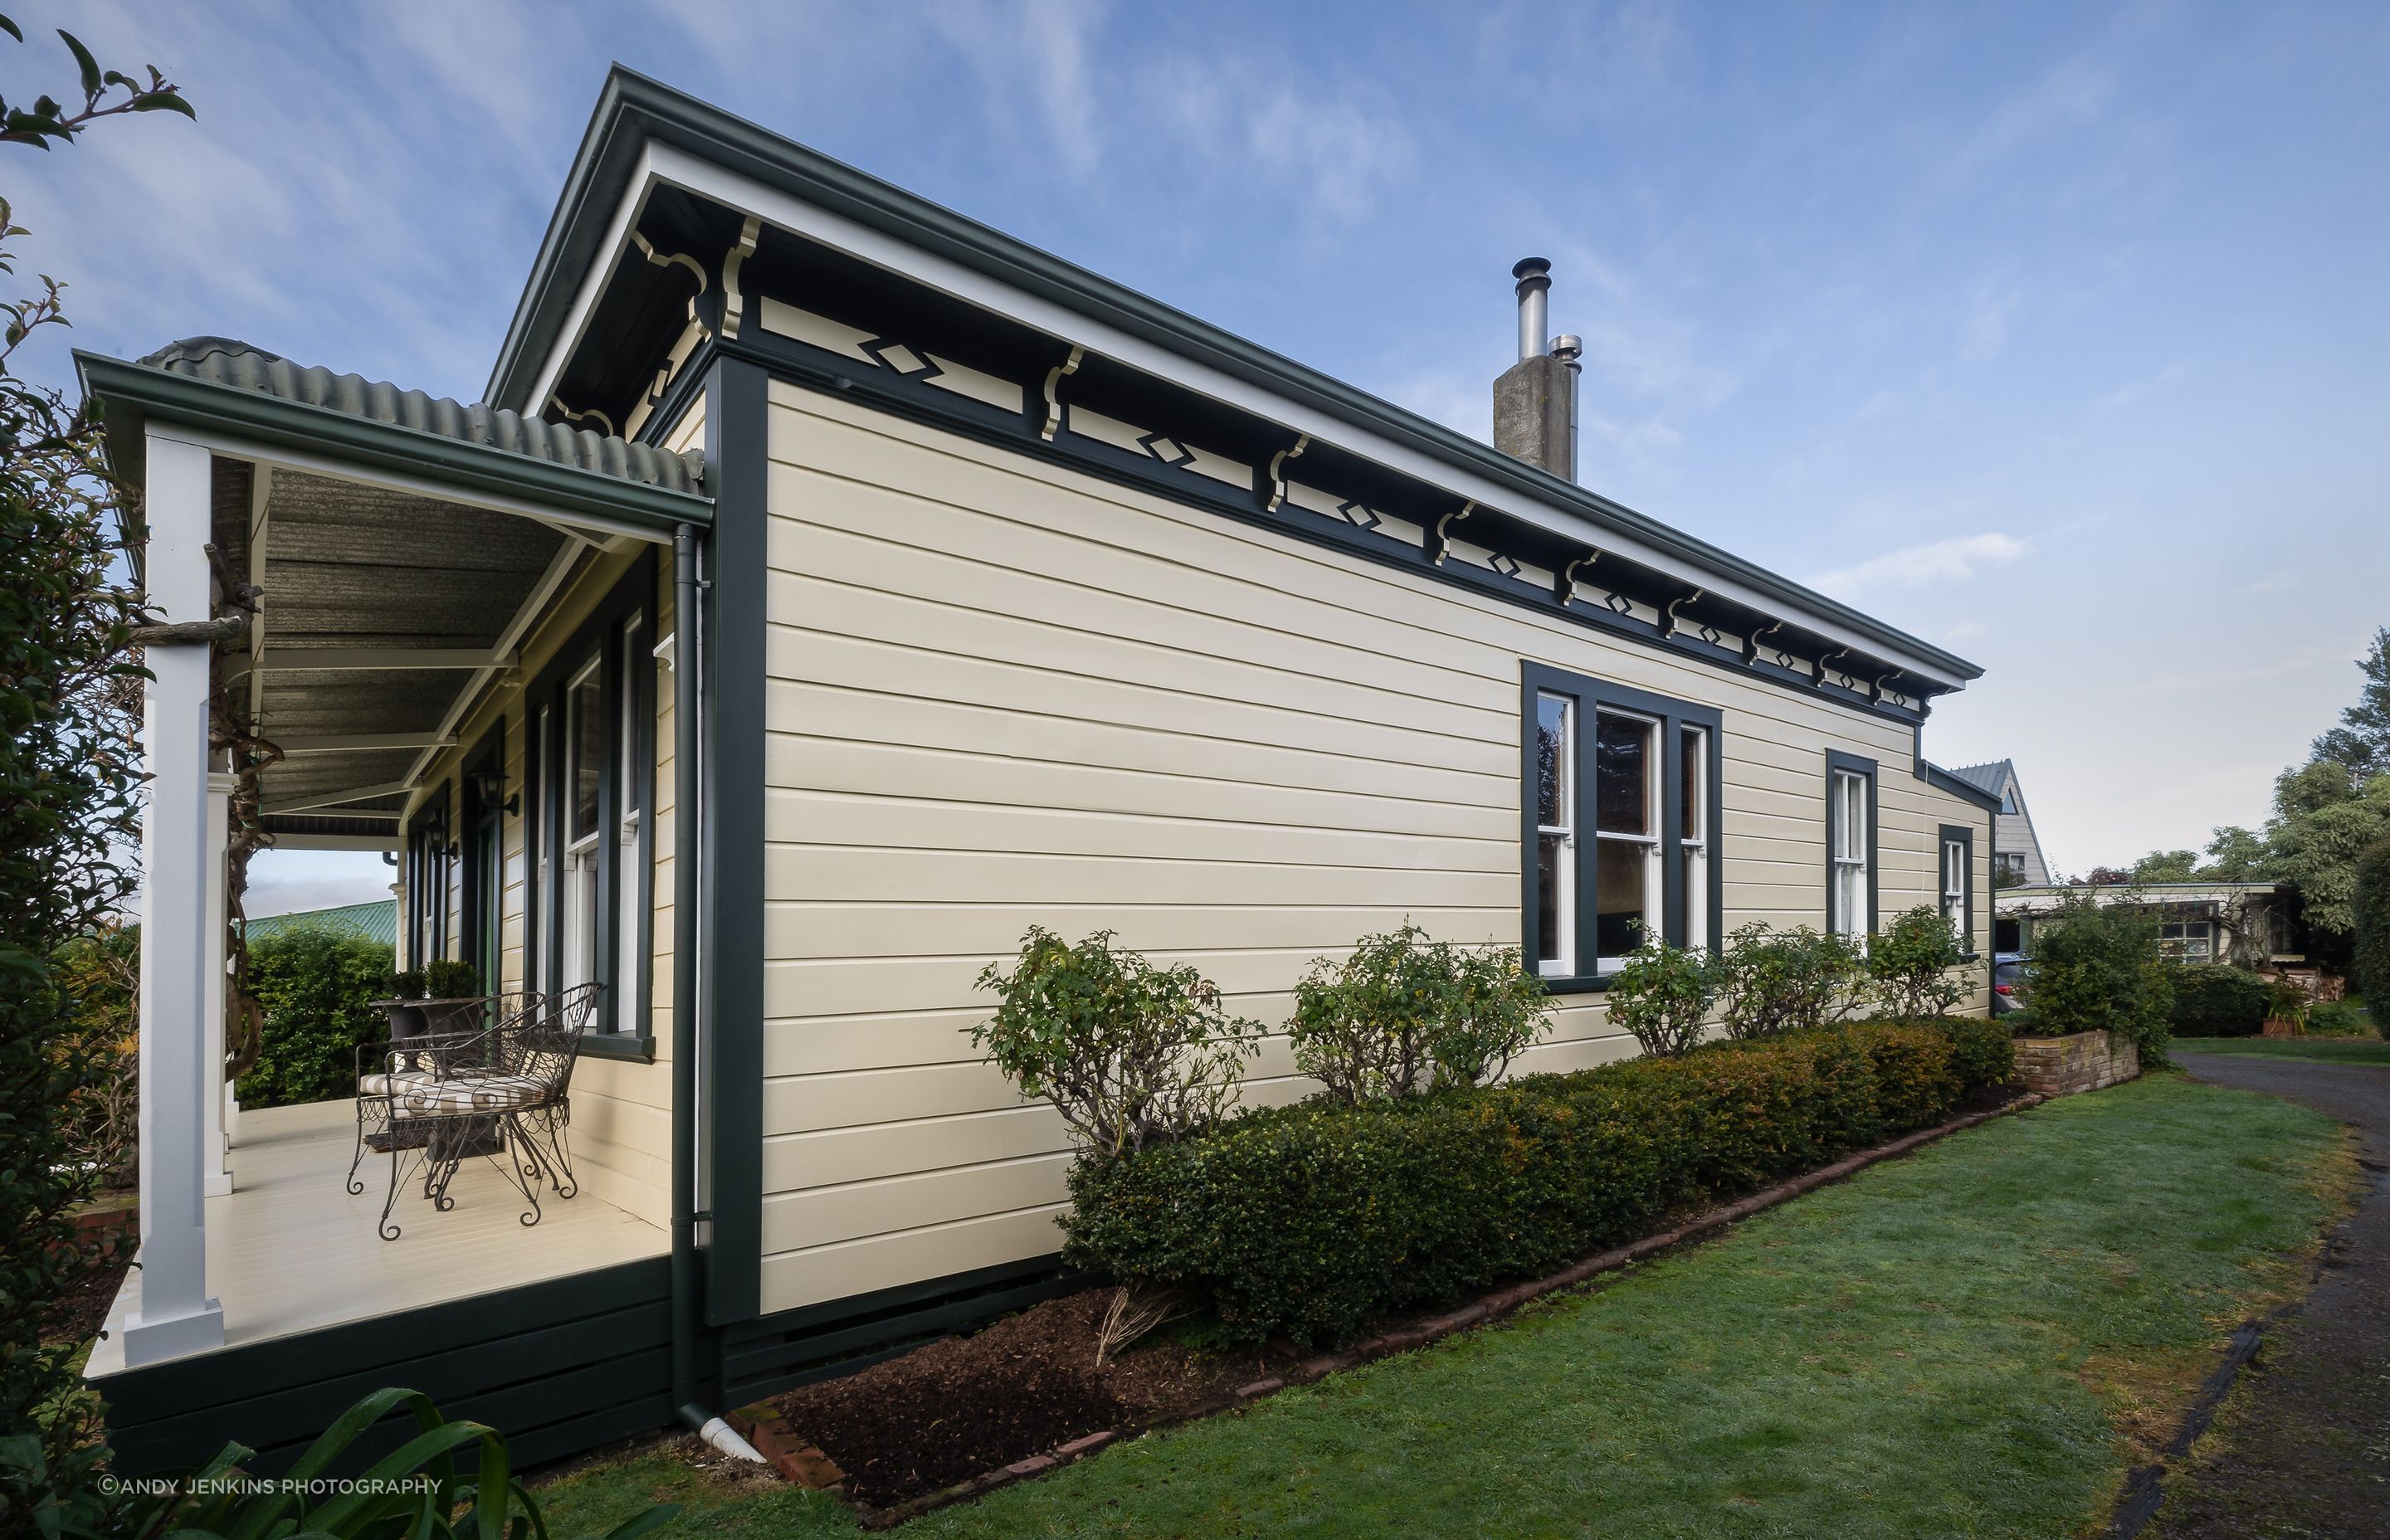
(313, 437)
(703, 178)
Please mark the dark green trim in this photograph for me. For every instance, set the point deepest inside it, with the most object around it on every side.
(135, 395)
(600, 636)
(737, 447)
(1942, 780)
(1593, 695)
(558, 1366)
(811, 368)
(1858, 765)
(632, 109)
(794, 1347)
(614, 1045)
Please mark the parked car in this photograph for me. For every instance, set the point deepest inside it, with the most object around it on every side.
(2009, 971)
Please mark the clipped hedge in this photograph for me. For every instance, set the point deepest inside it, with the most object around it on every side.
(2219, 1000)
(1312, 1220)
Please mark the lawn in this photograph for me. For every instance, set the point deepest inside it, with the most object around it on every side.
(1971, 1342)
(2328, 1050)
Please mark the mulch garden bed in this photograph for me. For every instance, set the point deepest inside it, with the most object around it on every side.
(1029, 1383)
(966, 1415)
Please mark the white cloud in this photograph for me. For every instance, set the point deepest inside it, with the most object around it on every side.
(1917, 566)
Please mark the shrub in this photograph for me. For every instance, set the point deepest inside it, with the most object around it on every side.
(2287, 1000)
(2340, 1018)
(1773, 982)
(1131, 1055)
(2369, 960)
(1313, 1219)
(2218, 1000)
(100, 970)
(451, 979)
(2096, 968)
(1912, 961)
(1404, 1014)
(1660, 994)
(317, 986)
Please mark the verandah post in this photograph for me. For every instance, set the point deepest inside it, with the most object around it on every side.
(176, 1316)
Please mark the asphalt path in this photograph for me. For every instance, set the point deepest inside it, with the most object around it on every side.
(2307, 1448)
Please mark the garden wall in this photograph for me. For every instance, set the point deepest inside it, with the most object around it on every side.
(2061, 1066)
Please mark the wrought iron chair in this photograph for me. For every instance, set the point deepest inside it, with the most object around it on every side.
(511, 1080)
(380, 1066)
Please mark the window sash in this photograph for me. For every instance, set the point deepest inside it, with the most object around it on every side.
(1615, 845)
(1850, 862)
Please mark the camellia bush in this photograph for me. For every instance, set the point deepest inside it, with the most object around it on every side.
(1913, 961)
(1661, 995)
(1129, 1053)
(2096, 968)
(1404, 1014)
(1770, 982)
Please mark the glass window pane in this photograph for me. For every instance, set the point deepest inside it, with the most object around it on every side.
(1623, 874)
(1551, 899)
(1551, 762)
(585, 730)
(1695, 783)
(1622, 777)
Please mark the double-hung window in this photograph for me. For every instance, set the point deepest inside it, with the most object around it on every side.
(592, 712)
(1618, 831)
(1958, 883)
(1850, 844)
(2187, 940)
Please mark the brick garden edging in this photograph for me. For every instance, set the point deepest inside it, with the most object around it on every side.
(807, 1466)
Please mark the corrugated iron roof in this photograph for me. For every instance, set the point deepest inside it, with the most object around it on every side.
(374, 921)
(223, 361)
(1992, 778)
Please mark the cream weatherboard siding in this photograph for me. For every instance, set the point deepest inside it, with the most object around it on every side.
(1002, 693)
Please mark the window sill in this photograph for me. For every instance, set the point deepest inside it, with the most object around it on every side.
(613, 1045)
(1583, 983)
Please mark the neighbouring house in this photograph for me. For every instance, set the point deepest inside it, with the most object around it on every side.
(829, 588)
(2249, 924)
(377, 921)
(2016, 849)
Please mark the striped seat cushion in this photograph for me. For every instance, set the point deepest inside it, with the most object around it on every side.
(418, 1092)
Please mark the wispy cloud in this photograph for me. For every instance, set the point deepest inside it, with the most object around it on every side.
(1919, 566)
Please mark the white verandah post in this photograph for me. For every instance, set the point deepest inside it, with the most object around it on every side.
(176, 1316)
(215, 1176)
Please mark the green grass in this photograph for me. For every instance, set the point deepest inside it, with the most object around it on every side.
(1972, 1342)
(2327, 1050)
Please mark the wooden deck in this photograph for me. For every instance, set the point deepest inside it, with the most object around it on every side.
(289, 1250)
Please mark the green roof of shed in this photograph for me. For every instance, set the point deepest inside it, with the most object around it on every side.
(376, 921)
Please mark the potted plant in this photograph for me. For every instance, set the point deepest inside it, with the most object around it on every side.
(453, 995)
(2286, 1009)
(405, 1005)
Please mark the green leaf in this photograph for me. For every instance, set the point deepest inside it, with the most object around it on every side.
(164, 101)
(10, 28)
(83, 61)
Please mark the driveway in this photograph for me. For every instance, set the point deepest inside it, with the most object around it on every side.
(2310, 1419)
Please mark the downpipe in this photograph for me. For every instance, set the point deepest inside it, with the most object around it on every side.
(686, 597)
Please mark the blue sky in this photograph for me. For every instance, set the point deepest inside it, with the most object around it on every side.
(2053, 334)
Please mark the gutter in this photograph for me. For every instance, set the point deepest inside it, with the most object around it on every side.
(634, 110)
(685, 1301)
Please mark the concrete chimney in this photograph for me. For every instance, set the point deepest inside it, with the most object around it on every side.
(1535, 400)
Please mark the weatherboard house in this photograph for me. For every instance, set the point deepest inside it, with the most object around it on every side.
(829, 588)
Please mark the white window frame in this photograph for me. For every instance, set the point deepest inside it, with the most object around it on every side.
(1565, 800)
(1851, 857)
(577, 958)
(1653, 839)
(1954, 883)
(1693, 838)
